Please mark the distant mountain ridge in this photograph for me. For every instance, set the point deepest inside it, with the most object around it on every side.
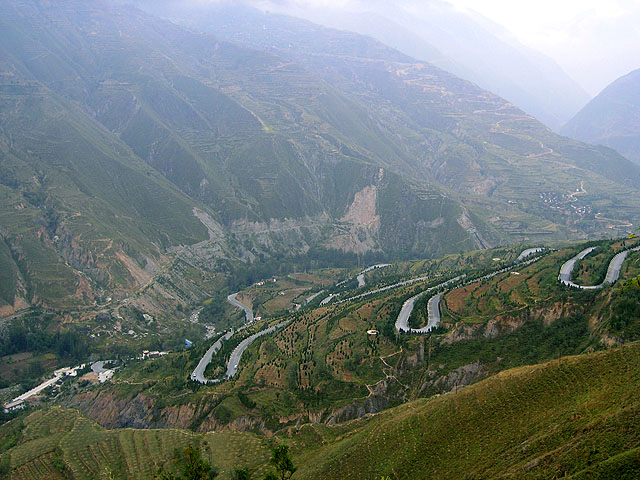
(461, 42)
(612, 118)
(128, 141)
(363, 69)
(117, 127)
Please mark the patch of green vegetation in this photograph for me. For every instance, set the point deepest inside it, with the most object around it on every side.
(8, 275)
(11, 434)
(56, 442)
(576, 416)
(625, 312)
(534, 342)
(592, 270)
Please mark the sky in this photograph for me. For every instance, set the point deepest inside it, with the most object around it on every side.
(594, 41)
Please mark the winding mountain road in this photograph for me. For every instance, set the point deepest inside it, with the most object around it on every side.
(433, 306)
(236, 355)
(402, 322)
(405, 283)
(528, 252)
(325, 301)
(361, 279)
(248, 313)
(198, 372)
(613, 271)
(433, 312)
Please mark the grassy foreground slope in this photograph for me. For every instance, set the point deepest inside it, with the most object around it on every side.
(577, 417)
(58, 443)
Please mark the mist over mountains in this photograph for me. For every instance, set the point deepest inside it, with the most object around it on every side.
(289, 138)
(461, 42)
(612, 118)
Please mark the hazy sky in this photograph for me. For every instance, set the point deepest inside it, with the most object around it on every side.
(594, 41)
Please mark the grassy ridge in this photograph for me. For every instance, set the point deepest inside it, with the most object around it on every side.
(58, 443)
(577, 417)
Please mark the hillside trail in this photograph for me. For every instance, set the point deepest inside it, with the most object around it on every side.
(387, 374)
(498, 128)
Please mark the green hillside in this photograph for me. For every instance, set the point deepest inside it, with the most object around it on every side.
(109, 142)
(148, 167)
(323, 367)
(76, 200)
(58, 443)
(117, 124)
(575, 417)
(572, 418)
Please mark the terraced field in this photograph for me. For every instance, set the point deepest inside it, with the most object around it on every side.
(57, 443)
(576, 417)
(324, 365)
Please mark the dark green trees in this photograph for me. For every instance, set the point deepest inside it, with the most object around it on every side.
(241, 474)
(282, 463)
(191, 466)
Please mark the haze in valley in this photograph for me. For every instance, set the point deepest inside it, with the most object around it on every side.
(594, 41)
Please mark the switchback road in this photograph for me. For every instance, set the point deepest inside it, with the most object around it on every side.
(248, 313)
(613, 271)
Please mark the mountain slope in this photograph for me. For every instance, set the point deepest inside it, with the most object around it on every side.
(461, 42)
(78, 206)
(279, 143)
(134, 122)
(324, 369)
(482, 147)
(576, 417)
(612, 118)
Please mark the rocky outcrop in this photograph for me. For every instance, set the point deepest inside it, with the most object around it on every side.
(111, 411)
(142, 411)
(462, 331)
(372, 404)
(508, 323)
(75, 256)
(362, 223)
(460, 377)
